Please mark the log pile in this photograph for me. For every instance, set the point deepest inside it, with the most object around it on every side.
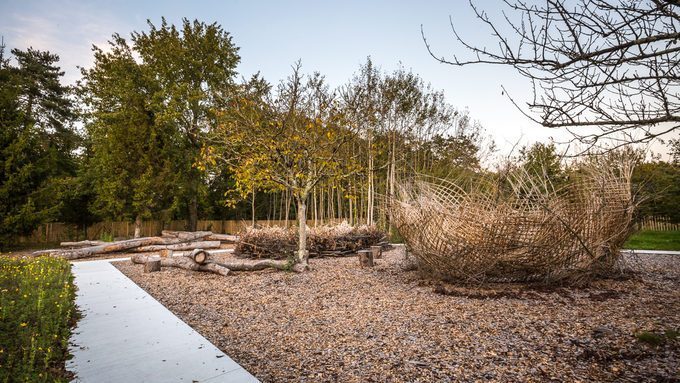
(169, 240)
(157, 252)
(281, 243)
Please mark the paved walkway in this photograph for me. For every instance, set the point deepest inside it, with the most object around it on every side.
(659, 252)
(125, 335)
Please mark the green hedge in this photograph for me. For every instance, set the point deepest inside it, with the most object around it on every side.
(37, 311)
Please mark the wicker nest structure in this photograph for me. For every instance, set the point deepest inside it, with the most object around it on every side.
(521, 228)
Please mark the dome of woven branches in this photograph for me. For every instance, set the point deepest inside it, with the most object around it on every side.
(519, 227)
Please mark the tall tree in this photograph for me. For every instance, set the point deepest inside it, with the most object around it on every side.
(600, 69)
(194, 67)
(37, 142)
(290, 140)
(130, 154)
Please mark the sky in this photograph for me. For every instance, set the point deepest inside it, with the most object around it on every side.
(331, 37)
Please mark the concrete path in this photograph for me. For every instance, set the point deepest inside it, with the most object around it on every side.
(659, 252)
(125, 335)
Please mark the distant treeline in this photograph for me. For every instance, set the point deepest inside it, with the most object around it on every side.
(153, 130)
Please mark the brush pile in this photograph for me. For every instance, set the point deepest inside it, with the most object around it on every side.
(280, 243)
(521, 228)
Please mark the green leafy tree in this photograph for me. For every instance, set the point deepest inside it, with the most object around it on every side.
(290, 140)
(130, 155)
(37, 142)
(194, 69)
(658, 185)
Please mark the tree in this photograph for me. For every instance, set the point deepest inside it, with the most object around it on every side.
(658, 185)
(130, 155)
(289, 140)
(194, 68)
(600, 69)
(37, 142)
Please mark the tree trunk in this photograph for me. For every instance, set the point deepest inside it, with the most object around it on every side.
(192, 222)
(252, 209)
(303, 253)
(138, 226)
(180, 246)
(287, 208)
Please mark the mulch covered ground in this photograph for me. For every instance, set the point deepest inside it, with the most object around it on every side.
(341, 323)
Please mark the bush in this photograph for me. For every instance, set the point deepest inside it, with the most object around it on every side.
(37, 310)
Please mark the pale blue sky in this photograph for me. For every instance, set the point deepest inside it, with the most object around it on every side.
(333, 38)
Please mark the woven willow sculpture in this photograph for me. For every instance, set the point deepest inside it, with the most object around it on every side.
(520, 228)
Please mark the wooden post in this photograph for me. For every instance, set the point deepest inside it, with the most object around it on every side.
(152, 265)
(365, 258)
(377, 252)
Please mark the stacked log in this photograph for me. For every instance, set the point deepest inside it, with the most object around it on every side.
(168, 241)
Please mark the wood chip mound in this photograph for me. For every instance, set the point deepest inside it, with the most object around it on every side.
(280, 243)
(341, 323)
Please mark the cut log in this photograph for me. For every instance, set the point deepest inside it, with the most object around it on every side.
(365, 258)
(254, 266)
(199, 256)
(225, 238)
(186, 236)
(377, 252)
(119, 246)
(165, 253)
(152, 265)
(81, 243)
(182, 263)
(180, 246)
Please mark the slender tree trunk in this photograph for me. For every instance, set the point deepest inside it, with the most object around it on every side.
(369, 192)
(192, 204)
(303, 253)
(288, 198)
(252, 209)
(138, 226)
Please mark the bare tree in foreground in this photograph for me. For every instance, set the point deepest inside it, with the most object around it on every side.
(603, 70)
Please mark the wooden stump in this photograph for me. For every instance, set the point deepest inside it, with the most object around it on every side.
(152, 265)
(199, 256)
(377, 252)
(365, 258)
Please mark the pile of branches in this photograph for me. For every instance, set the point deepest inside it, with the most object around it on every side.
(169, 240)
(521, 228)
(281, 243)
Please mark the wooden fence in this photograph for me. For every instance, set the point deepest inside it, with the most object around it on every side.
(59, 232)
(658, 224)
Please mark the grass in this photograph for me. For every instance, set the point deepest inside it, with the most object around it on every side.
(37, 311)
(654, 240)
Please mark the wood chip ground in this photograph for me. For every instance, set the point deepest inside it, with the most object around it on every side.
(343, 323)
